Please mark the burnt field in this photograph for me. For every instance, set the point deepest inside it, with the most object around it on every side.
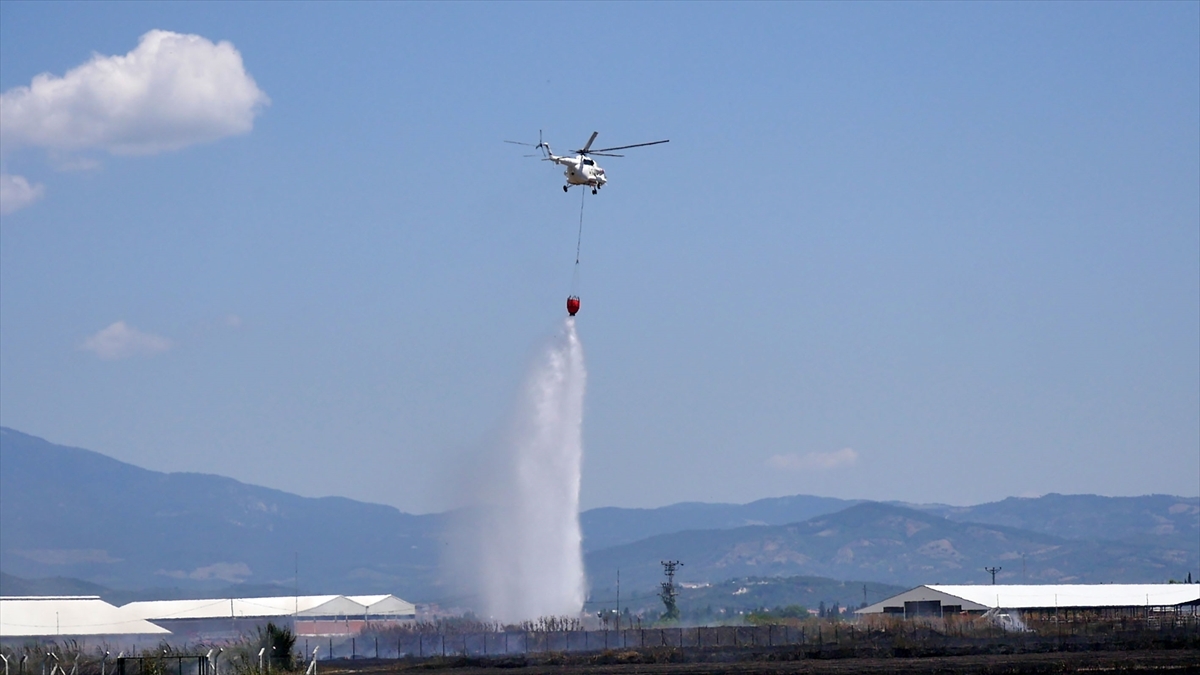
(1184, 660)
(915, 650)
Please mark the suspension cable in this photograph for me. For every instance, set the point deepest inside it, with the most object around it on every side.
(579, 240)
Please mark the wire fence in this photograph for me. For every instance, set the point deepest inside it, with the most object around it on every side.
(888, 635)
(821, 638)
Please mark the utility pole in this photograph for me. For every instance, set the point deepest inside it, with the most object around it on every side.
(618, 601)
(668, 593)
(993, 570)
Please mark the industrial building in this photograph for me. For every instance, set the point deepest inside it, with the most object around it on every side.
(307, 615)
(82, 618)
(1111, 599)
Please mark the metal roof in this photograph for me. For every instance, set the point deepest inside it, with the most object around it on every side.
(384, 605)
(922, 594)
(1077, 595)
(1026, 596)
(70, 616)
(218, 608)
(283, 606)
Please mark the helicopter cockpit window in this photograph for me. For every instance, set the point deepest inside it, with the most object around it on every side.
(589, 162)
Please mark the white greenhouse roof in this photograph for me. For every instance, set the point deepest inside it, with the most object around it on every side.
(225, 608)
(70, 616)
(1076, 595)
(1028, 596)
(384, 605)
(284, 606)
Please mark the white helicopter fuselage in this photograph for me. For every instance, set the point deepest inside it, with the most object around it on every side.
(581, 170)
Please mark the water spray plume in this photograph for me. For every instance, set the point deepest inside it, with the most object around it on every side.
(528, 543)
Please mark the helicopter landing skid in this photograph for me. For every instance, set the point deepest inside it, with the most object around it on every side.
(567, 188)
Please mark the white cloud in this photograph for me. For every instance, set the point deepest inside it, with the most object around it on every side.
(794, 461)
(16, 193)
(120, 341)
(171, 91)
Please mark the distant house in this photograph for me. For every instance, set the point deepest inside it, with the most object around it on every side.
(221, 618)
(1125, 599)
(86, 619)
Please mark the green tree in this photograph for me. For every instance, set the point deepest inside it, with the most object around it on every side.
(278, 643)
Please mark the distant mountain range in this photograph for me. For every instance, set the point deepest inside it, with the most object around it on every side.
(1152, 519)
(11, 585)
(706, 602)
(75, 513)
(896, 545)
(89, 519)
(611, 526)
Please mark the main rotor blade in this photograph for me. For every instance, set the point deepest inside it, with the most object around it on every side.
(520, 143)
(604, 154)
(584, 149)
(636, 145)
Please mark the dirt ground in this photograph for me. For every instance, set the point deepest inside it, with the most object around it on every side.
(1147, 661)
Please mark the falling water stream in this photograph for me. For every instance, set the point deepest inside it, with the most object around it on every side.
(530, 559)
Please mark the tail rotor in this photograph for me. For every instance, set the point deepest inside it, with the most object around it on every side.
(542, 146)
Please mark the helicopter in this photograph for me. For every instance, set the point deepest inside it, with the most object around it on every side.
(581, 169)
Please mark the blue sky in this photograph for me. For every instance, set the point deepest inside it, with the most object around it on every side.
(930, 252)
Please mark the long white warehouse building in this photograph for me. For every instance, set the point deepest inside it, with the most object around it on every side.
(937, 600)
(304, 614)
(70, 616)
